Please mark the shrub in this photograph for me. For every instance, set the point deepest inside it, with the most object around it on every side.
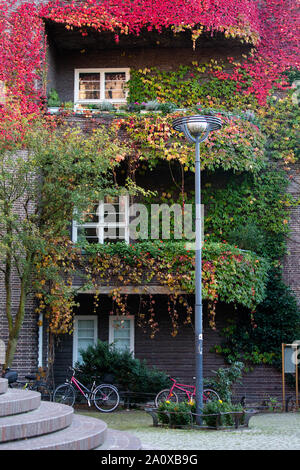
(53, 99)
(176, 414)
(213, 408)
(225, 378)
(128, 373)
(167, 108)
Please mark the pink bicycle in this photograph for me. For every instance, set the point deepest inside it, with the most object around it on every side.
(185, 392)
(105, 396)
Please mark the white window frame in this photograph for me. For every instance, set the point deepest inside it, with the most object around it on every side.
(101, 225)
(3, 92)
(111, 335)
(75, 334)
(102, 85)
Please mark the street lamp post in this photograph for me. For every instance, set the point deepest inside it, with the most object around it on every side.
(196, 129)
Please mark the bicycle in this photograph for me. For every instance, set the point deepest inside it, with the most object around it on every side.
(105, 397)
(188, 391)
(32, 383)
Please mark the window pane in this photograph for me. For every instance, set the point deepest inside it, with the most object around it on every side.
(88, 233)
(114, 234)
(86, 324)
(112, 214)
(114, 85)
(122, 334)
(121, 324)
(85, 335)
(89, 86)
(92, 215)
(121, 345)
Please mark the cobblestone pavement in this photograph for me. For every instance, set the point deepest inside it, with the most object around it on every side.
(266, 432)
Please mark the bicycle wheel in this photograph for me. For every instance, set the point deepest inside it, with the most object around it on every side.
(106, 398)
(65, 394)
(210, 395)
(164, 395)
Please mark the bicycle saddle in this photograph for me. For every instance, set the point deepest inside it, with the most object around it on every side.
(30, 377)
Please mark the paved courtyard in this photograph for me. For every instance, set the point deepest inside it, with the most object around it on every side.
(265, 432)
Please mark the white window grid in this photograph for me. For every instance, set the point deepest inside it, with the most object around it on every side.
(104, 224)
(94, 318)
(112, 329)
(102, 73)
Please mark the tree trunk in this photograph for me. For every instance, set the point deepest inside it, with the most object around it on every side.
(16, 325)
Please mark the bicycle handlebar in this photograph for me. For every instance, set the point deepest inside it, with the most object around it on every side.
(74, 369)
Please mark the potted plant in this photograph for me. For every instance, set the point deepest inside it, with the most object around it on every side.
(53, 101)
(151, 107)
(68, 105)
(167, 108)
(106, 107)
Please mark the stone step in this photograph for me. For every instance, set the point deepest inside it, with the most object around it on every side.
(16, 401)
(120, 440)
(84, 433)
(49, 417)
(3, 385)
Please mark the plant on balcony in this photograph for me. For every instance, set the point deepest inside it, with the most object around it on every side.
(53, 99)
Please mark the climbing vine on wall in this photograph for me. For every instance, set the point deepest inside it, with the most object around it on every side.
(269, 26)
(239, 145)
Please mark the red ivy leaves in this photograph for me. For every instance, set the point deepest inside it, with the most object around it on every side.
(270, 25)
(22, 53)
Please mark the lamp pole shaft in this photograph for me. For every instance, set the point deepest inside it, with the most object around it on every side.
(198, 291)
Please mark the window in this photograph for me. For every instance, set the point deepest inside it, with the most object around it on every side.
(2, 93)
(107, 221)
(85, 334)
(121, 332)
(97, 85)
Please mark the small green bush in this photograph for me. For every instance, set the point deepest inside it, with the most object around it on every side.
(176, 414)
(215, 407)
(225, 378)
(167, 108)
(127, 372)
(53, 99)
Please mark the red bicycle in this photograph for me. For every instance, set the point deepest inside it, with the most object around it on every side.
(105, 396)
(185, 392)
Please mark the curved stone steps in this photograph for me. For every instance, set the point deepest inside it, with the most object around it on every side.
(84, 433)
(49, 417)
(120, 440)
(27, 423)
(16, 401)
(3, 385)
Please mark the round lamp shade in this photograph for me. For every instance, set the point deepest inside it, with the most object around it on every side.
(197, 125)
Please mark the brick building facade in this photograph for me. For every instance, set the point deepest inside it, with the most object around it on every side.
(67, 52)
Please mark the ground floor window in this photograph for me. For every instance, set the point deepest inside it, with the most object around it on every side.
(85, 334)
(121, 332)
